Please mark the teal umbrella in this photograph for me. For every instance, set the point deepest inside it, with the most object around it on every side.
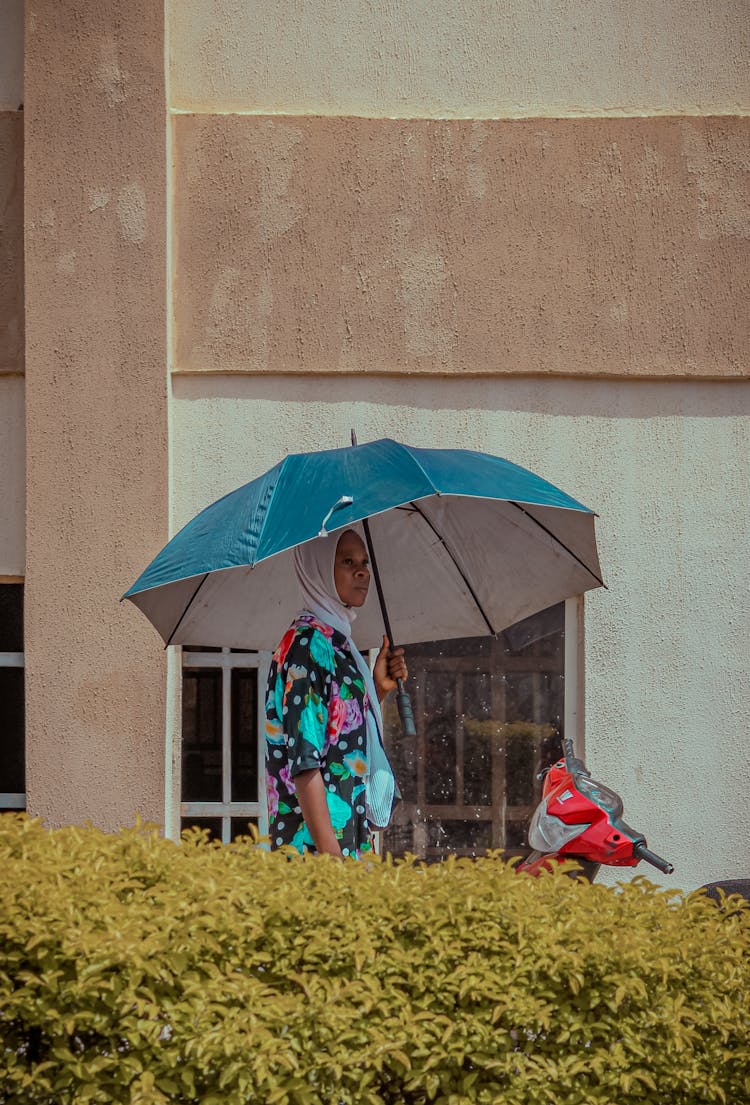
(467, 544)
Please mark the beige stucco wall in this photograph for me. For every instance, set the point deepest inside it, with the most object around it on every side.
(594, 247)
(12, 422)
(468, 59)
(13, 478)
(11, 242)
(96, 412)
(667, 467)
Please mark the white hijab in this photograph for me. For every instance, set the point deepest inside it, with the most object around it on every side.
(314, 565)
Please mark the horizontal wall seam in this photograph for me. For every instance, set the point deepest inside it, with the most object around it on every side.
(624, 113)
(405, 374)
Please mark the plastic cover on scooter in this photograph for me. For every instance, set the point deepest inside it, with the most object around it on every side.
(597, 792)
(548, 833)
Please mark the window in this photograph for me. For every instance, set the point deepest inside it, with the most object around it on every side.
(12, 766)
(489, 717)
(223, 710)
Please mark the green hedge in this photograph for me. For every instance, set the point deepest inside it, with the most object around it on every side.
(134, 970)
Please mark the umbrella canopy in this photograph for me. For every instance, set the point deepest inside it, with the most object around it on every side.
(466, 543)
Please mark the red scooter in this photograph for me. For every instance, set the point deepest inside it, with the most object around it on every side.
(581, 820)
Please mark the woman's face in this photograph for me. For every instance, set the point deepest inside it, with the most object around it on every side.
(351, 569)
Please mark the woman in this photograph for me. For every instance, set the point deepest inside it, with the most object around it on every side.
(323, 708)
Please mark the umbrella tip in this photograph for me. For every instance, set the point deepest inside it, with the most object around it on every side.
(354, 437)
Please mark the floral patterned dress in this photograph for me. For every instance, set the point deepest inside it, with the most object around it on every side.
(316, 707)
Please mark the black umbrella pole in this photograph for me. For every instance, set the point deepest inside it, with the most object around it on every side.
(403, 701)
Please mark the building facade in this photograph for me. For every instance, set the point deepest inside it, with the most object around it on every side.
(234, 231)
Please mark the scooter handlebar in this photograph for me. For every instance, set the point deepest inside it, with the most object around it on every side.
(573, 764)
(640, 851)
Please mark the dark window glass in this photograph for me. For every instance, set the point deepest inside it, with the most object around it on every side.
(440, 738)
(11, 617)
(516, 835)
(201, 735)
(400, 837)
(12, 779)
(551, 749)
(478, 746)
(489, 716)
(201, 648)
(479, 737)
(459, 836)
(477, 695)
(240, 826)
(213, 824)
(540, 635)
(404, 754)
(521, 745)
(519, 696)
(244, 735)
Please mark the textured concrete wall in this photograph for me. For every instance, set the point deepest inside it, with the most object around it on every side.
(95, 405)
(12, 476)
(11, 242)
(666, 466)
(11, 54)
(473, 59)
(12, 424)
(592, 247)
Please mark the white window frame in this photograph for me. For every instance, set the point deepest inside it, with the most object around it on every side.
(227, 662)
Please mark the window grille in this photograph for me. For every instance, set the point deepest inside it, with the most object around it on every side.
(223, 747)
(489, 715)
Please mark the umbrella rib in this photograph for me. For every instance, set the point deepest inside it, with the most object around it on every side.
(184, 612)
(558, 541)
(458, 567)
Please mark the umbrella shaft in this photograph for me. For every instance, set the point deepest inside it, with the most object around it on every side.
(379, 587)
(403, 701)
(378, 584)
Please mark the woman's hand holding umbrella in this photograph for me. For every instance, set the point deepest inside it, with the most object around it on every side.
(390, 666)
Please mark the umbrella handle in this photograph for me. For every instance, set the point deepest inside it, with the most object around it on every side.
(405, 712)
